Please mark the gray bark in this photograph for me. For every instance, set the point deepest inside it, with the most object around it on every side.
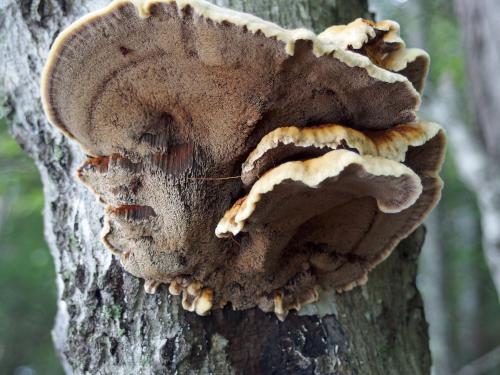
(479, 151)
(107, 324)
(435, 287)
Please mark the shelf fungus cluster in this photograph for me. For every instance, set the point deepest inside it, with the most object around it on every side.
(171, 100)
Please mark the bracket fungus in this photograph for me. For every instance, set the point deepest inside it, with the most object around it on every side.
(170, 99)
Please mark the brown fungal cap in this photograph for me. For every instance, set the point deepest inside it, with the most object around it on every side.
(190, 70)
(168, 97)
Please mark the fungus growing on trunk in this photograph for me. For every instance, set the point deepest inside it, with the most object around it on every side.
(167, 98)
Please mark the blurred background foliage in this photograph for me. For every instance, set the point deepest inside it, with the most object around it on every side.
(460, 300)
(27, 280)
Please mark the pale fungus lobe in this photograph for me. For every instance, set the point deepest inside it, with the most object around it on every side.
(240, 162)
(381, 43)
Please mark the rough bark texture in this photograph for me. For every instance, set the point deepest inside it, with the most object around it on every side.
(107, 324)
(480, 152)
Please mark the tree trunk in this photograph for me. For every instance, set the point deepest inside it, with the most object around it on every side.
(481, 39)
(107, 324)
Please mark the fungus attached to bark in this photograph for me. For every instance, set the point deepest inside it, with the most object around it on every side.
(167, 98)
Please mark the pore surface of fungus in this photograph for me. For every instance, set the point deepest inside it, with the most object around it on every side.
(169, 98)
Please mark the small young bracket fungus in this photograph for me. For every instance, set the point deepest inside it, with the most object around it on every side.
(168, 98)
(381, 43)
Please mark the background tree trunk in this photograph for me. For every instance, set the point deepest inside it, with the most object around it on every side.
(480, 150)
(107, 324)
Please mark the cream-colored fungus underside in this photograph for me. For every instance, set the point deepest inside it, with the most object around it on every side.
(170, 97)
